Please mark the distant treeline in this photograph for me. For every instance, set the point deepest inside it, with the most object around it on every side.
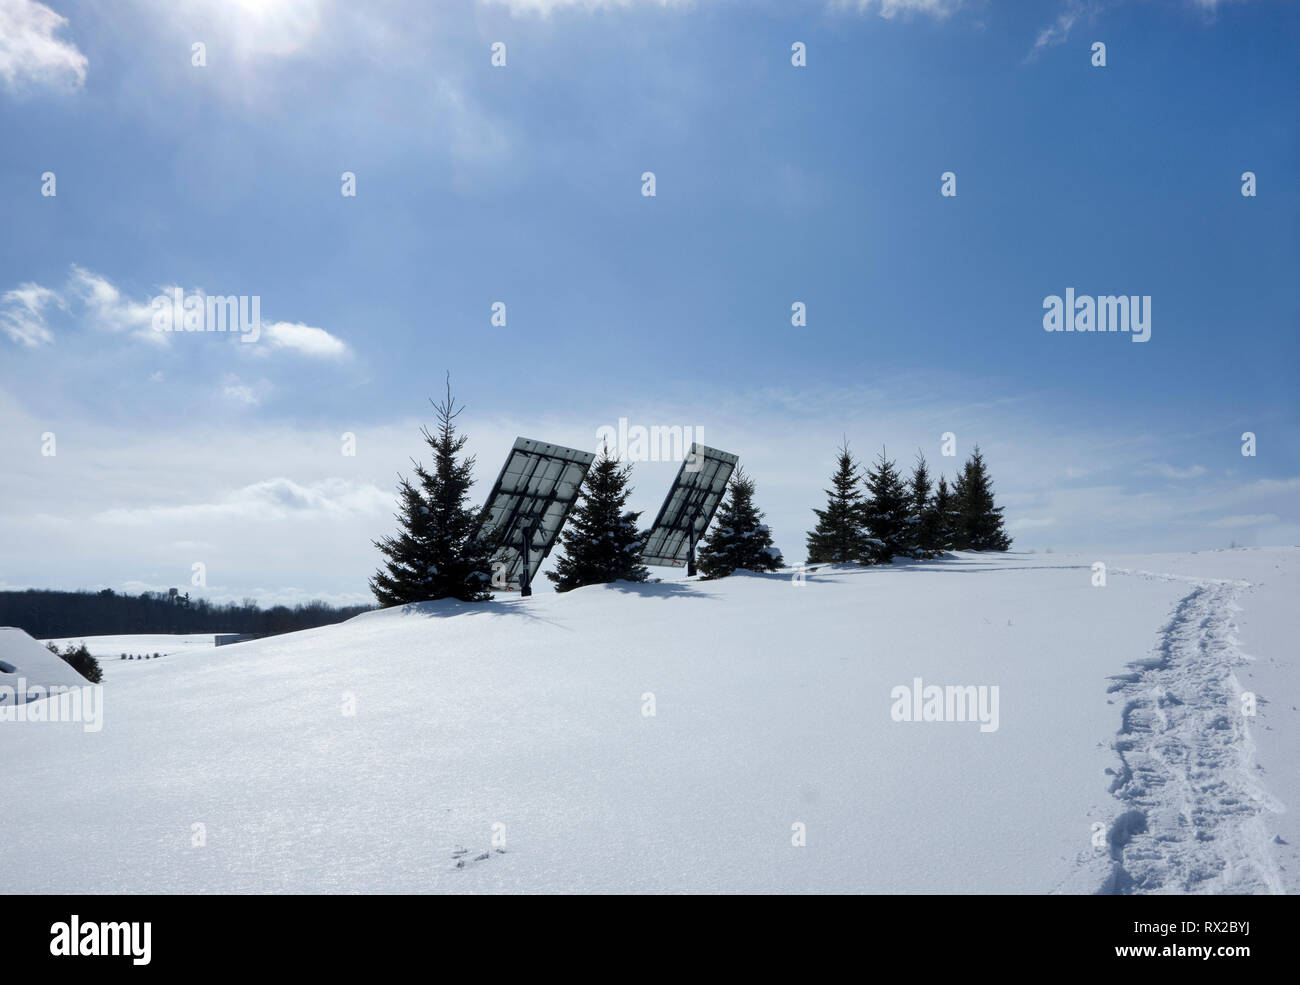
(47, 614)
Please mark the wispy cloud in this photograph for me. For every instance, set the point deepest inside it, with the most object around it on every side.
(25, 311)
(473, 136)
(1172, 472)
(306, 340)
(96, 302)
(239, 393)
(22, 314)
(30, 54)
(886, 8)
(892, 8)
(1246, 520)
(548, 7)
(1058, 32)
(108, 309)
(270, 500)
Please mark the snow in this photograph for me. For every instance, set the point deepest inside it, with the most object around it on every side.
(106, 648)
(23, 659)
(522, 724)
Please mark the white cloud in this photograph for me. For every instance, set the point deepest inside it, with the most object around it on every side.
(1246, 520)
(891, 8)
(272, 500)
(1031, 523)
(22, 313)
(548, 7)
(1271, 487)
(1058, 31)
(29, 51)
(108, 309)
(96, 302)
(472, 136)
(1171, 472)
(306, 340)
(240, 394)
(89, 296)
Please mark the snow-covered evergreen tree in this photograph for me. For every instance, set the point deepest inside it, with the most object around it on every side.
(886, 513)
(957, 526)
(601, 540)
(980, 520)
(738, 539)
(943, 514)
(838, 536)
(922, 517)
(436, 553)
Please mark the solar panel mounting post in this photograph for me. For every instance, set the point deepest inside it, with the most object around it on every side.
(689, 506)
(690, 550)
(525, 576)
(531, 498)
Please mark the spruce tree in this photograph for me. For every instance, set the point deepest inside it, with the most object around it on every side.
(738, 540)
(601, 540)
(957, 524)
(943, 513)
(886, 512)
(980, 520)
(80, 659)
(437, 553)
(923, 518)
(838, 537)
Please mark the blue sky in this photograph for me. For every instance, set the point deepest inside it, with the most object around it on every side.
(522, 184)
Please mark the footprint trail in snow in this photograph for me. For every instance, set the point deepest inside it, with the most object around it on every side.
(1192, 805)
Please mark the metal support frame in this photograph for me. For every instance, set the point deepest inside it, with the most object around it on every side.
(525, 579)
(692, 535)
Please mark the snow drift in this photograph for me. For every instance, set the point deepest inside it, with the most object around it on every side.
(24, 659)
(728, 736)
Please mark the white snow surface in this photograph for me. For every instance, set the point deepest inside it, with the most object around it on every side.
(24, 659)
(106, 648)
(525, 721)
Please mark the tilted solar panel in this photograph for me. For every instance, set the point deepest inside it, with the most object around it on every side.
(532, 496)
(689, 506)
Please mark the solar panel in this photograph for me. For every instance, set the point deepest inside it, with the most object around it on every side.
(689, 507)
(528, 505)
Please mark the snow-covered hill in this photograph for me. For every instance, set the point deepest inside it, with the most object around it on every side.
(681, 736)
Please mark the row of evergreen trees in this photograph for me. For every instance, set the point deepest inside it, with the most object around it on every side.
(876, 515)
(869, 519)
